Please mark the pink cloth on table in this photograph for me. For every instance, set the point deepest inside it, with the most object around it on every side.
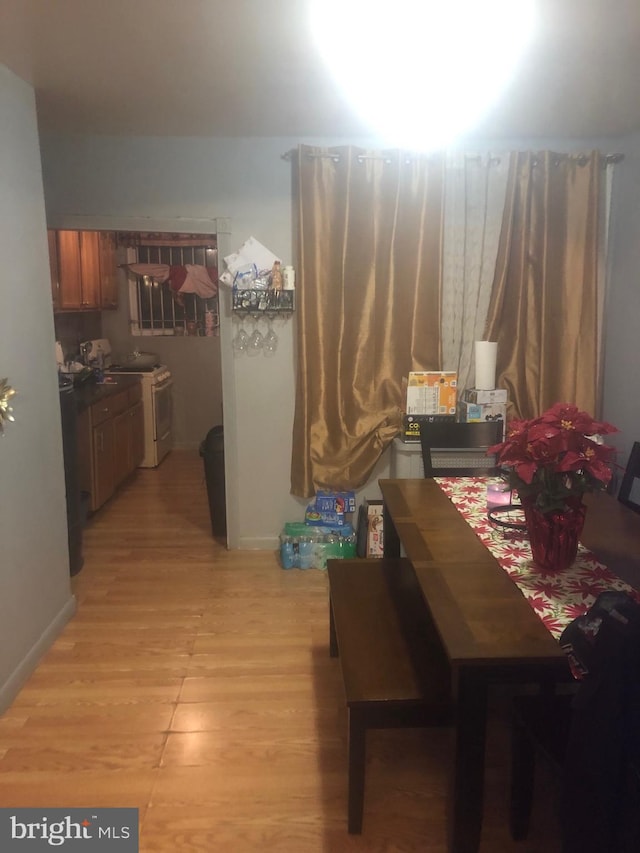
(556, 597)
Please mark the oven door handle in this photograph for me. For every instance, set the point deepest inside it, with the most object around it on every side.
(162, 386)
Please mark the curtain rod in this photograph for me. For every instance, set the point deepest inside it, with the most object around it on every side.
(288, 156)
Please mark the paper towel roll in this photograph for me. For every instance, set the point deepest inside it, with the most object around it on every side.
(486, 352)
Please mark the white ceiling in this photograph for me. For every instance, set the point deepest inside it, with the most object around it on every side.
(249, 68)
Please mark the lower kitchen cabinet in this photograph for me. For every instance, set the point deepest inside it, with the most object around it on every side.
(103, 481)
(128, 437)
(111, 443)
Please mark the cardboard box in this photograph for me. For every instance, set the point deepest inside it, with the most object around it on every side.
(411, 425)
(375, 531)
(340, 502)
(477, 412)
(370, 534)
(477, 395)
(432, 392)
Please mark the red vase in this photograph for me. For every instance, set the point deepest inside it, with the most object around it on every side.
(554, 535)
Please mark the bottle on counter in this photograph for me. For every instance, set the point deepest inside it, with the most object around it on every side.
(289, 278)
(99, 365)
(276, 276)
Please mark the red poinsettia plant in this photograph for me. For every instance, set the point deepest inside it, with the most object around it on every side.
(556, 457)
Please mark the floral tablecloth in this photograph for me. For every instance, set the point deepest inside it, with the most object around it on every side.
(556, 597)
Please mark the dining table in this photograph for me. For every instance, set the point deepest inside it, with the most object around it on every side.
(498, 616)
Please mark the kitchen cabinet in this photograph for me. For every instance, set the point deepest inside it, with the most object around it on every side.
(103, 483)
(86, 270)
(79, 270)
(111, 442)
(128, 436)
(108, 269)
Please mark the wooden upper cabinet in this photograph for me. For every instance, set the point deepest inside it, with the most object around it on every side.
(78, 267)
(108, 269)
(70, 270)
(90, 266)
(87, 270)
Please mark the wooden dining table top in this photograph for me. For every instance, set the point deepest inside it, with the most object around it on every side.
(490, 632)
(481, 615)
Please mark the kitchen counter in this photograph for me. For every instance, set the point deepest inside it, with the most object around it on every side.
(110, 429)
(94, 392)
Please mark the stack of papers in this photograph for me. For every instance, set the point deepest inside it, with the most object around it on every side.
(251, 260)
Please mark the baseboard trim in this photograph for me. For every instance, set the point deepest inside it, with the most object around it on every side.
(27, 665)
(266, 543)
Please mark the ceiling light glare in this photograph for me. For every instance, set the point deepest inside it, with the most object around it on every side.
(421, 72)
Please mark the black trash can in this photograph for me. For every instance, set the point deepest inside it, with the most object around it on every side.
(212, 451)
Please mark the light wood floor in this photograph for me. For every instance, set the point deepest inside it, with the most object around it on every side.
(195, 684)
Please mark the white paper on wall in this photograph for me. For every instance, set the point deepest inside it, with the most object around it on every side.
(252, 252)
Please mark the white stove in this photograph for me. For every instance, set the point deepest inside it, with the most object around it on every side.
(158, 412)
(154, 375)
(157, 405)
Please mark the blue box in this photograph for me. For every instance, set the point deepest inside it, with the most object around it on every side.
(480, 412)
(323, 518)
(338, 502)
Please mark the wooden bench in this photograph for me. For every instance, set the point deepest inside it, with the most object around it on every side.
(394, 669)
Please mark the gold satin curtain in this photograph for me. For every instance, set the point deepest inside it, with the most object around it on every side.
(544, 304)
(368, 304)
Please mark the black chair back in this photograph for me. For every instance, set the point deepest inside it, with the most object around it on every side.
(459, 449)
(591, 737)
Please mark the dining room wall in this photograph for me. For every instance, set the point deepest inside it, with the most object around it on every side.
(36, 598)
(621, 375)
(247, 181)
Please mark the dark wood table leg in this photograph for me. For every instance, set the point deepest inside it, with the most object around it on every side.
(466, 804)
(391, 544)
(357, 758)
(333, 638)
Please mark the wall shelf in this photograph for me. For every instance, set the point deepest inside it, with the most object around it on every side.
(263, 302)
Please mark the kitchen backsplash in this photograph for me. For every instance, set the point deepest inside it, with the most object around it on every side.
(73, 328)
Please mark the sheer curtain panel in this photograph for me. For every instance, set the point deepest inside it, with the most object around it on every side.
(474, 205)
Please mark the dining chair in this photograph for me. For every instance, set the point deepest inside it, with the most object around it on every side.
(589, 736)
(459, 449)
(629, 493)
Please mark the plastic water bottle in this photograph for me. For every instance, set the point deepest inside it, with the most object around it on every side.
(287, 557)
(305, 548)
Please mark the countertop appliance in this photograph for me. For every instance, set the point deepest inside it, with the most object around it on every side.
(157, 384)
